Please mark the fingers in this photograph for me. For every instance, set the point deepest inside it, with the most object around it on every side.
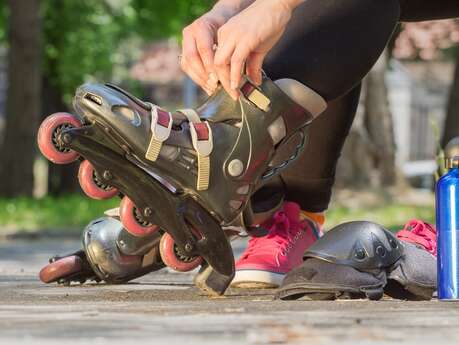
(198, 55)
(238, 59)
(197, 78)
(206, 52)
(222, 62)
(254, 65)
(191, 60)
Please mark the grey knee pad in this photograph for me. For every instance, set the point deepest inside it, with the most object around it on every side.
(362, 259)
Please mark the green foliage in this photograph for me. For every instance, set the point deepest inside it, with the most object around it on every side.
(81, 38)
(75, 211)
(51, 212)
(154, 19)
(3, 22)
(392, 216)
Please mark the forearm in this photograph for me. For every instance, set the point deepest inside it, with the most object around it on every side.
(231, 7)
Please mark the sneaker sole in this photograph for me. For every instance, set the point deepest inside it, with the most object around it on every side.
(256, 279)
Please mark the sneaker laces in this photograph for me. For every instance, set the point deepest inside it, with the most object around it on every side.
(420, 233)
(279, 235)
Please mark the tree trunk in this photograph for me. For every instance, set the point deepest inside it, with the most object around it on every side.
(452, 116)
(355, 168)
(379, 123)
(17, 153)
(368, 157)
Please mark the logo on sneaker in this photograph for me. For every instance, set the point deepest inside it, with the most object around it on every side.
(290, 245)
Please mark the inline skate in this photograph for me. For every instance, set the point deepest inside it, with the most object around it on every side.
(187, 176)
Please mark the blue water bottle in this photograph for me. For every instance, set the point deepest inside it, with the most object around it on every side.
(447, 209)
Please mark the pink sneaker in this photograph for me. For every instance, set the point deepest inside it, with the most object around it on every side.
(267, 259)
(420, 233)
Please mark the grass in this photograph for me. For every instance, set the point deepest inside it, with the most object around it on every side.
(392, 216)
(75, 211)
(67, 212)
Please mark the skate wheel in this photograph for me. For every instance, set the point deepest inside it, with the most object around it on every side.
(61, 268)
(173, 258)
(132, 220)
(91, 184)
(48, 141)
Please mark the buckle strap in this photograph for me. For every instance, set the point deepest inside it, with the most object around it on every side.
(201, 138)
(161, 126)
(254, 95)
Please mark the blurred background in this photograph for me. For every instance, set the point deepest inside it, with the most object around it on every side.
(409, 107)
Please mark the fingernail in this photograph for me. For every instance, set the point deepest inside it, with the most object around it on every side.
(233, 85)
(213, 78)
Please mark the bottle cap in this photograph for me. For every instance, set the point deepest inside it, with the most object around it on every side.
(452, 163)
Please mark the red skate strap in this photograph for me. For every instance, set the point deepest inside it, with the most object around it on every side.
(163, 118)
(202, 131)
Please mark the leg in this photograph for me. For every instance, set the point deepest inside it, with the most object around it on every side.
(419, 10)
(335, 30)
(330, 45)
(309, 183)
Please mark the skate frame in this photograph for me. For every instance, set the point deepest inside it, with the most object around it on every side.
(159, 202)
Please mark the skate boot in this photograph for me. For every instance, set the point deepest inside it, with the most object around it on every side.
(109, 254)
(188, 174)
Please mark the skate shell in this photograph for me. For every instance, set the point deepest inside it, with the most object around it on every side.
(129, 218)
(61, 268)
(89, 184)
(170, 257)
(47, 136)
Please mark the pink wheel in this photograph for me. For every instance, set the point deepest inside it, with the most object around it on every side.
(48, 135)
(61, 268)
(172, 257)
(91, 184)
(132, 220)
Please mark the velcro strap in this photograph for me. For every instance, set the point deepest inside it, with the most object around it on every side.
(202, 130)
(161, 126)
(201, 138)
(255, 96)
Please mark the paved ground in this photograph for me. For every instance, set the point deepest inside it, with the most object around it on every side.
(164, 308)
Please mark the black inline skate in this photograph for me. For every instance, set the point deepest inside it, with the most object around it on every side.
(184, 176)
(110, 254)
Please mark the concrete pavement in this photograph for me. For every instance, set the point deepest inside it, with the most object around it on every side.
(165, 308)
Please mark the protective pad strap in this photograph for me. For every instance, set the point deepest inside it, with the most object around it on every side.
(318, 279)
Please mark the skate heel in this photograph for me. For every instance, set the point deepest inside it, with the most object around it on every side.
(212, 282)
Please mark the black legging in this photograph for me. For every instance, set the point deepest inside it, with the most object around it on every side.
(330, 45)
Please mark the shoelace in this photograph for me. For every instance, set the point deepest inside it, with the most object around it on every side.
(279, 233)
(421, 233)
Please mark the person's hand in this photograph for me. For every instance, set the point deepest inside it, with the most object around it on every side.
(199, 39)
(246, 38)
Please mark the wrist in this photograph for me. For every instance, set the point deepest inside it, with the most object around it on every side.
(291, 4)
(229, 8)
